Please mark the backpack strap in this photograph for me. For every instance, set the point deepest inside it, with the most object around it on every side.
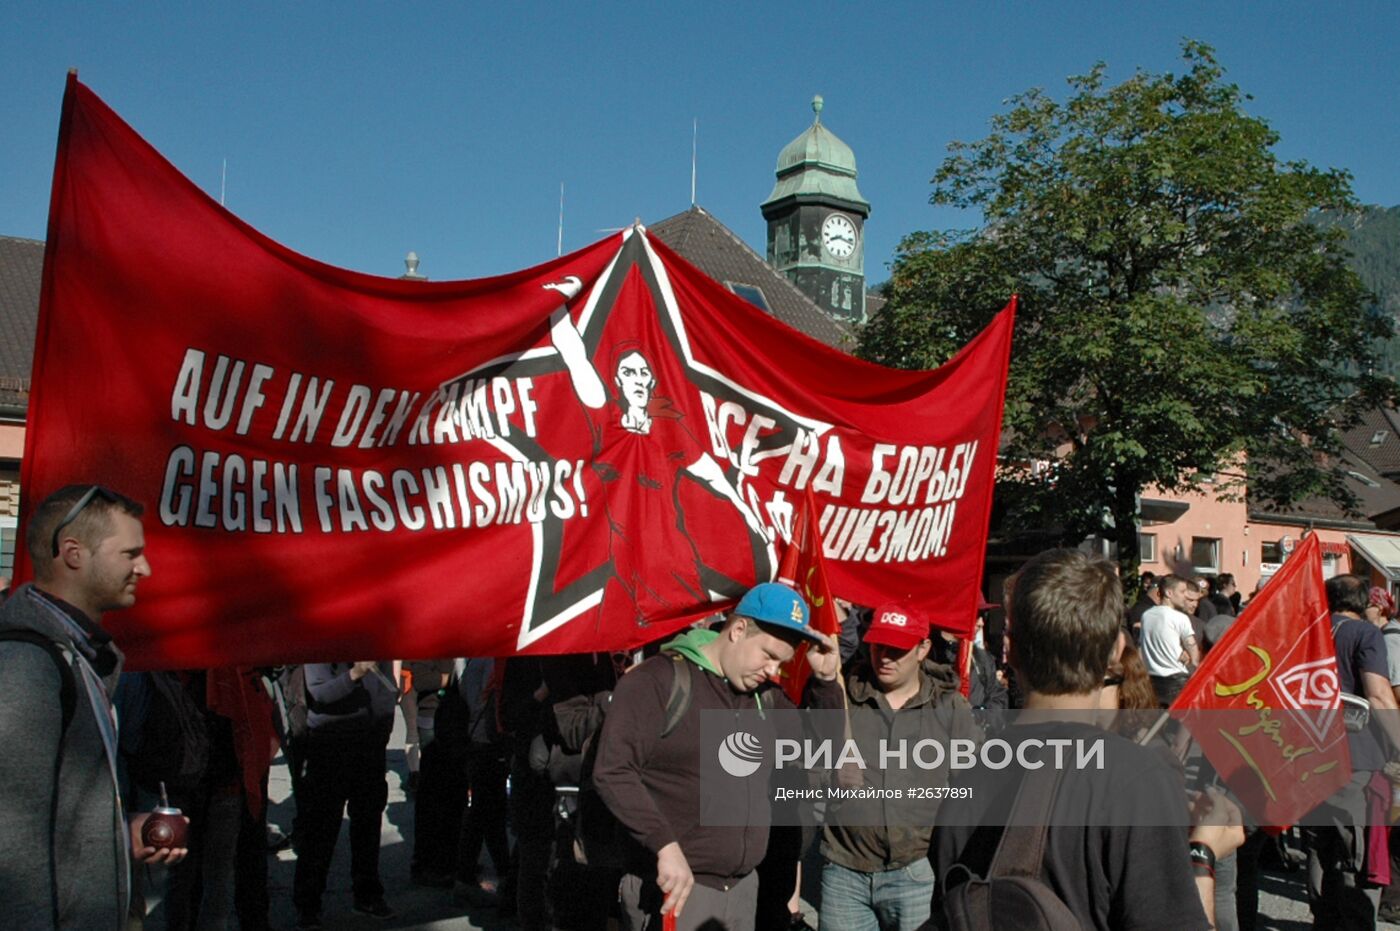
(67, 690)
(1021, 851)
(678, 702)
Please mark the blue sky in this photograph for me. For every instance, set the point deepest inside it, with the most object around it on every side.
(354, 132)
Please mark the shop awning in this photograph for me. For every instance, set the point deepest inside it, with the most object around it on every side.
(1381, 550)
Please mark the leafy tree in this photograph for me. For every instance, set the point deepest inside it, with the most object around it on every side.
(1182, 316)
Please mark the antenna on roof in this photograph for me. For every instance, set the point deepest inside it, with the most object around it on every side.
(560, 244)
(694, 138)
(223, 181)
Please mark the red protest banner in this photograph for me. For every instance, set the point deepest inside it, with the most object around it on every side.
(804, 568)
(1265, 704)
(578, 456)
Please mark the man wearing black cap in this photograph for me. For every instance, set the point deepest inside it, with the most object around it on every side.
(651, 781)
(877, 872)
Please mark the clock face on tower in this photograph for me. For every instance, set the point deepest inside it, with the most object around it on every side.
(838, 236)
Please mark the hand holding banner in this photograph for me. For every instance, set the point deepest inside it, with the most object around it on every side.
(804, 568)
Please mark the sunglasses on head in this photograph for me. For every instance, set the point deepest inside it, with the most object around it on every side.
(96, 491)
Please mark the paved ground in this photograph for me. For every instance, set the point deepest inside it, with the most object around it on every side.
(1282, 897)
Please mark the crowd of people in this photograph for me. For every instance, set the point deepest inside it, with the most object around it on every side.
(578, 776)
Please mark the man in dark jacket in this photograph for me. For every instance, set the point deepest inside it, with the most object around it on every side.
(350, 712)
(877, 871)
(66, 848)
(652, 782)
(1340, 892)
(986, 690)
(530, 685)
(1148, 598)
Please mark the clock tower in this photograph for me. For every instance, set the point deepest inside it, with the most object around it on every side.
(816, 220)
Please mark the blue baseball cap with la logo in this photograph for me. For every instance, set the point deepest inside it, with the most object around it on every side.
(773, 604)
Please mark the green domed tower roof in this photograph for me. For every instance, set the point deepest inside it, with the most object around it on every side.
(816, 221)
(817, 163)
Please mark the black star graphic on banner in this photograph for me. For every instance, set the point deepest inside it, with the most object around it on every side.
(547, 606)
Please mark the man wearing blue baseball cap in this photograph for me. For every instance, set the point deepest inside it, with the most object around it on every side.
(648, 769)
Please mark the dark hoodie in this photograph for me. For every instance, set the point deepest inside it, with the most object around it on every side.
(874, 835)
(652, 783)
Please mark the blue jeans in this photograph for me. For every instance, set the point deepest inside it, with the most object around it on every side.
(893, 900)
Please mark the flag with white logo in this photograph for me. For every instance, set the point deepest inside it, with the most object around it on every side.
(1265, 704)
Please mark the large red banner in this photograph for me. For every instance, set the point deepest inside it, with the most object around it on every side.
(580, 456)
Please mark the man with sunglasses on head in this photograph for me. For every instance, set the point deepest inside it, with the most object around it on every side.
(67, 848)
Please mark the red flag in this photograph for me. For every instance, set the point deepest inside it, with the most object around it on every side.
(804, 568)
(237, 694)
(579, 456)
(965, 666)
(1265, 704)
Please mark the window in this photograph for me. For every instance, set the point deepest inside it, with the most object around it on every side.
(1271, 552)
(1378, 437)
(751, 294)
(1205, 554)
(1364, 479)
(1147, 547)
(9, 535)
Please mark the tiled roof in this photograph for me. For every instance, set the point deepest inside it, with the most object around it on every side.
(1376, 496)
(1377, 440)
(710, 246)
(21, 267)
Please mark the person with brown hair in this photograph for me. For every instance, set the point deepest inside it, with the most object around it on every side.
(1128, 688)
(1168, 643)
(67, 847)
(1116, 848)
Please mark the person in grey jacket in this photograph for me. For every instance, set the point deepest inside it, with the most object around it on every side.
(66, 846)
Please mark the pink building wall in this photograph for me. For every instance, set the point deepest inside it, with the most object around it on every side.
(1241, 547)
(11, 441)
